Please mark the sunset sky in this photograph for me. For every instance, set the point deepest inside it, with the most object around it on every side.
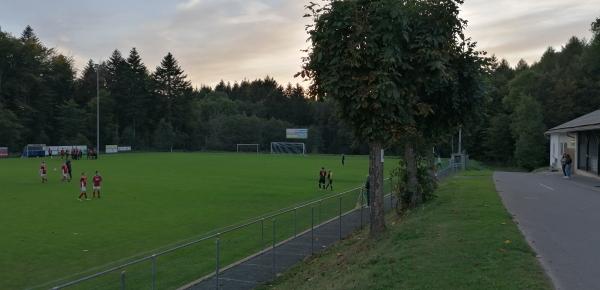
(237, 39)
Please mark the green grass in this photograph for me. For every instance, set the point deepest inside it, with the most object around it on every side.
(464, 239)
(150, 201)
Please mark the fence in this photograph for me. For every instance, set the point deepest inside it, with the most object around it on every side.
(205, 256)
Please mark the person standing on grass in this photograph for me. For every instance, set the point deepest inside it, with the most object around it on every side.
(343, 159)
(83, 187)
(65, 172)
(329, 180)
(44, 172)
(68, 163)
(97, 182)
(322, 175)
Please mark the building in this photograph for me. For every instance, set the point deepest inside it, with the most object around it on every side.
(581, 139)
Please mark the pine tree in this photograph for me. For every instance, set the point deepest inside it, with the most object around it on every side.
(175, 92)
(140, 102)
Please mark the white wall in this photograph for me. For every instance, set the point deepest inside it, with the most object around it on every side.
(559, 143)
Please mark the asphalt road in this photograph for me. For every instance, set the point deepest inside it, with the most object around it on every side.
(561, 221)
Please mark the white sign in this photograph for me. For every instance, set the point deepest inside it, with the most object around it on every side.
(124, 148)
(111, 149)
(296, 133)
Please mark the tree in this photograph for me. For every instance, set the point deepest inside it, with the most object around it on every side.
(174, 91)
(139, 99)
(164, 135)
(71, 127)
(10, 129)
(386, 63)
(528, 129)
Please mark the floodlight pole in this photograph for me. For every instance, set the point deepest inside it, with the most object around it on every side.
(97, 109)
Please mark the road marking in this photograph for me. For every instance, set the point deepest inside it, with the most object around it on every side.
(546, 186)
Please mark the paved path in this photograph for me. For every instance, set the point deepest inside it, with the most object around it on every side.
(561, 221)
(264, 266)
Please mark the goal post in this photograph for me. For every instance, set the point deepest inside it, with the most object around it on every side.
(288, 148)
(3, 152)
(247, 148)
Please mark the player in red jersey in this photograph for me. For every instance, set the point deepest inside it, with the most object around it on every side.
(65, 172)
(97, 180)
(83, 186)
(44, 172)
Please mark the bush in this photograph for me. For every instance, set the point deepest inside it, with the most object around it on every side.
(427, 182)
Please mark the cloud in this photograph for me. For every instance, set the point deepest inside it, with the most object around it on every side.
(525, 29)
(237, 39)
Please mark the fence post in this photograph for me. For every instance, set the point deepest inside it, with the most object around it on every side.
(295, 217)
(273, 247)
(262, 232)
(391, 194)
(320, 206)
(218, 259)
(153, 271)
(340, 216)
(123, 280)
(362, 206)
(312, 230)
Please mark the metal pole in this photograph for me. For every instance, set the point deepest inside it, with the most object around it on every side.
(312, 229)
(340, 217)
(97, 108)
(362, 206)
(153, 271)
(295, 217)
(262, 231)
(320, 204)
(460, 147)
(218, 258)
(273, 247)
(123, 280)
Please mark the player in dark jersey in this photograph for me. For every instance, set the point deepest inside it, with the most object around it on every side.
(97, 183)
(329, 180)
(68, 163)
(83, 187)
(44, 172)
(322, 175)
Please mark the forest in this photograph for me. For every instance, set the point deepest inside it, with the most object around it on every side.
(45, 99)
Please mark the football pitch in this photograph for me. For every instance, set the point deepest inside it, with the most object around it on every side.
(149, 201)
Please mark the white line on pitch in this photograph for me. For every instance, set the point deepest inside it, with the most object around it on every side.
(546, 186)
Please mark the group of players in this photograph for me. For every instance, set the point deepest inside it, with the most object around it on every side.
(325, 179)
(66, 171)
(75, 153)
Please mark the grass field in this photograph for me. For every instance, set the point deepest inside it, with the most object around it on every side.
(465, 239)
(149, 201)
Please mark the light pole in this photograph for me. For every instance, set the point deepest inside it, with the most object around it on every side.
(97, 109)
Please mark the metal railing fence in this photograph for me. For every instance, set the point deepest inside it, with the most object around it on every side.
(205, 256)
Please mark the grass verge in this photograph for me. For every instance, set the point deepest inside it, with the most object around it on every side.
(465, 239)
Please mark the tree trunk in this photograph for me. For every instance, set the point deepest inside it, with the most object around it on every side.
(412, 183)
(376, 190)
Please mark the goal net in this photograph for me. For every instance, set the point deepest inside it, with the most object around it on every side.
(3, 152)
(287, 148)
(247, 148)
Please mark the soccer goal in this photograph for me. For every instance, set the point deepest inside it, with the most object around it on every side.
(3, 152)
(247, 148)
(288, 148)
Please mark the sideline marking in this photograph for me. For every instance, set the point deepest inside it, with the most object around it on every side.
(546, 186)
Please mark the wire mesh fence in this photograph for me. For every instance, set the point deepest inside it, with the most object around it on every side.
(332, 217)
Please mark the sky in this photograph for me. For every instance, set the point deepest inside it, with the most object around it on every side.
(249, 39)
